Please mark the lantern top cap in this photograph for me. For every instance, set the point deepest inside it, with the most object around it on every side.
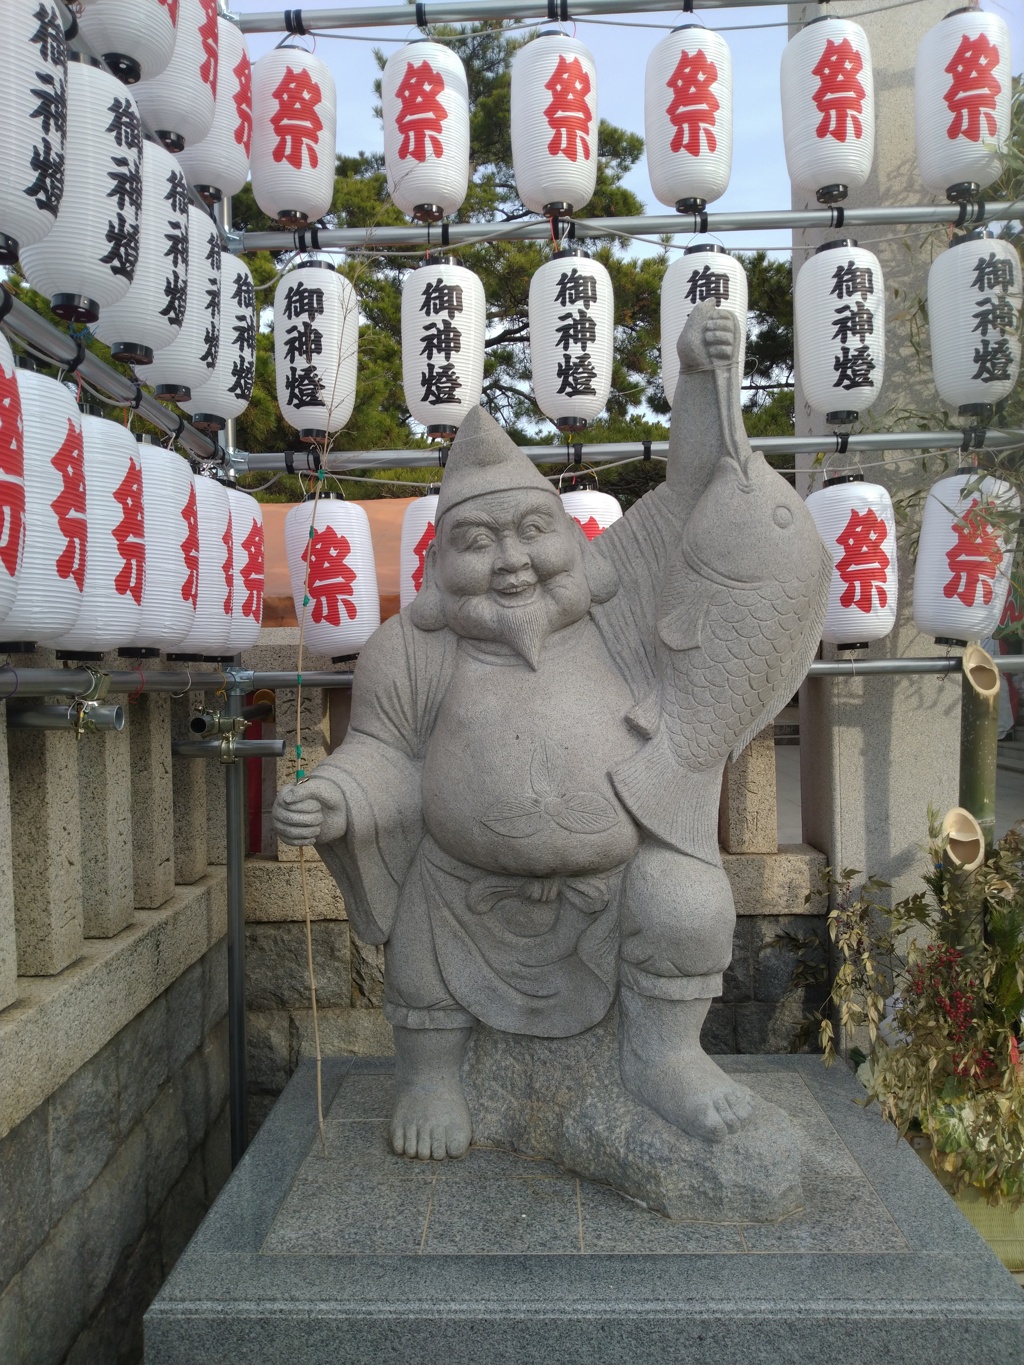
(313, 265)
(570, 251)
(324, 495)
(484, 459)
(841, 243)
(705, 246)
(681, 28)
(432, 262)
(962, 9)
(842, 478)
(980, 235)
(826, 19)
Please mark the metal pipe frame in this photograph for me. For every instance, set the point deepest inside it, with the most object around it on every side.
(80, 682)
(238, 1068)
(242, 748)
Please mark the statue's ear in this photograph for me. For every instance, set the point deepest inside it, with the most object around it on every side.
(427, 609)
(601, 577)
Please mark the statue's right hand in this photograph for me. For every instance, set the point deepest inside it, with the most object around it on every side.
(311, 812)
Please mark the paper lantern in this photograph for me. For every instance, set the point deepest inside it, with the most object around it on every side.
(554, 123)
(48, 597)
(444, 314)
(188, 362)
(592, 510)
(828, 108)
(294, 105)
(219, 164)
(964, 557)
(417, 533)
(150, 315)
(134, 37)
(87, 261)
(343, 609)
(974, 304)
(178, 104)
(839, 307)
(12, 481)
(962, 89)
(703, 272)
(316, 349)
(572, 312)
(210, 636)
(688, 117)
(33, 115)
(115, 571)
(858, 525)
(248, 553)
(172, 550)
(227, 392)
(425, 106)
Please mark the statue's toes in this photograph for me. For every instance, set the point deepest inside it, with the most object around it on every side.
(424, 1141)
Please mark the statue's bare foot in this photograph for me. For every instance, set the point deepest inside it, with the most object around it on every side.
(664, 1067)
(430, 1117)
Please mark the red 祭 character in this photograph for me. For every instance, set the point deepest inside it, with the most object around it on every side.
(252, 572)
(569, 115)
(864, 562)
(974, 558)
(211, 46)
(171, 6)
(330, 577)
(129, 535)
(420, 551)
(12, 475)
(228, 567)
(243, 103)
(971, 97)
(693, 105)
(591, 528)
(840, 95)
(190, 549)
(422, 113)
(69, 506)
(295, 121)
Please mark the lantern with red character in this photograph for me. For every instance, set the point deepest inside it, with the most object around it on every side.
(294, 111)
(172, 551)
(12, 480)
(444, 314)
(425, 105)
(178, 104)
(214, 583)
(188, 362)
(219, 164)
(592, 510)
(839, 312)
(418, 526)
(333, 575)
(688, 118)
(135, 40)
(703, 272)
(554, 123)
(247, 598)
(316, 349)
(828, 108)
(858, 525)
(572, 311)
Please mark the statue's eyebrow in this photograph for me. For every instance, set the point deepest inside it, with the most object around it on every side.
(466, 523)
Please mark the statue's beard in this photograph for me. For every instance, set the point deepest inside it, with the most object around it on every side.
(526, 628)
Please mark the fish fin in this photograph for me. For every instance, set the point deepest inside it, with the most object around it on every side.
(681, 627)
(645, 717)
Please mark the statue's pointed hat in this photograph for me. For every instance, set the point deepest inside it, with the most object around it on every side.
(483, 459)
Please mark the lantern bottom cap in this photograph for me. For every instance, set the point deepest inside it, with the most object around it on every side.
(174, 142)
(428, 213)
(842, 417)
(208, 421)
(441, 432)
(185, 658)
(84, 656)
(691, 205)
(853, 644)
(831, 194)
(8, 250)
(138, 652)
(75, 307)
(571, 423)
(948, 640)
(310, 435)
(556, 209)
(172, 393)
(131, 352)
(292, 218)
(209, 194)
(983, 410)
(963, 192)
(344, 658)
(217, 658)
(125, 68)
(17, 646)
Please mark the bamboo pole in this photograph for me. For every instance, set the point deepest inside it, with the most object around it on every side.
(979, 733)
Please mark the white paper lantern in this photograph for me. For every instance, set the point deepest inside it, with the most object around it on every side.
(964, 557)
(150, 315)
(572, 312)
(227, 392)
(316, 349)
(962, 88)
(444, 314)
(115, 571)
(688, 117)
(703, 272)
(87, 262)
(12, 480)
(828, 108)
(343, 609)
(187, 363)
(134, 37)
(248, 553)
(294, 107)
(178, 104)
(592, 510)
(554, 123)
(418, 526)
(858, 525)
(425, 106)
(33, 116)
(210, 636)
(974, 306)
(839, 308)
(53, 562)
(172, 550)
(219, 164)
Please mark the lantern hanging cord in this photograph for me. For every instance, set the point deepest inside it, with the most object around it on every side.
(739, 28)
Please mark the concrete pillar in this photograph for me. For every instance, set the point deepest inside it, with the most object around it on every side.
(46, 841)
(189, 786)
(8, 949)
(104, 789)
(874, 753)
(748, 819)
(216, 814)
(149, 730)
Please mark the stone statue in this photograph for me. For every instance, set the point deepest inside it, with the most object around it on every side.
(525, 806)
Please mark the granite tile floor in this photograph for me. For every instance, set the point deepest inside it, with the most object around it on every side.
(359, 1199)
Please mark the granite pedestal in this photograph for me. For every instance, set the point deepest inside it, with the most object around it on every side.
(361, 1257)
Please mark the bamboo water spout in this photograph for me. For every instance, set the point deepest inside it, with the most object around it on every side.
(979, 733)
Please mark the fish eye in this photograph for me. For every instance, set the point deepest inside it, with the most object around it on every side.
(782, 517)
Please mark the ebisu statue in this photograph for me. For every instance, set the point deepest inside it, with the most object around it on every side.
(525, 806)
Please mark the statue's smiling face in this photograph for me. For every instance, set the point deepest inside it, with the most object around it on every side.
(510, 569)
